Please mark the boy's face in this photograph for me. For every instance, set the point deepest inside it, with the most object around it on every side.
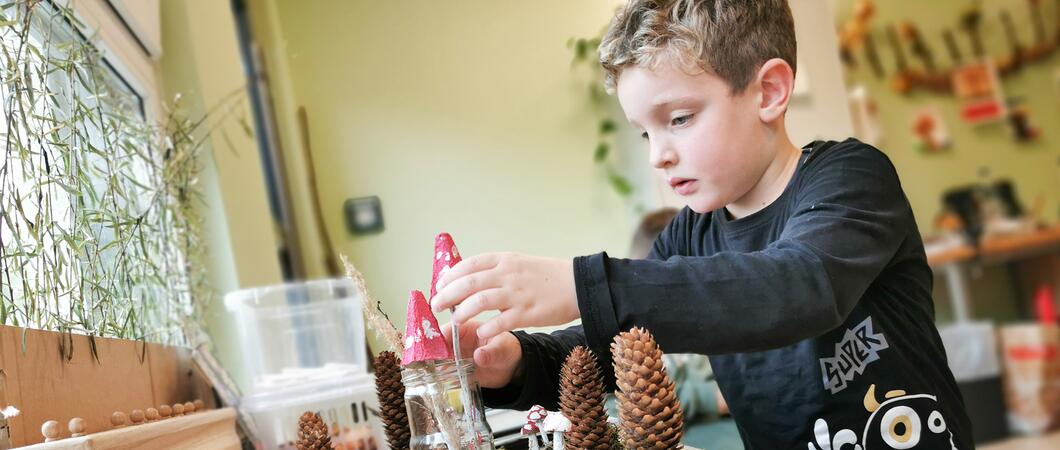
(710, 144)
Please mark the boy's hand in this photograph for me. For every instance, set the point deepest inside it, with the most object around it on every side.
(528, 291)
(496, 362)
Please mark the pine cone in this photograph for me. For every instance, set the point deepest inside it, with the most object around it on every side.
(312, 432)
(581, 398)
(391, 394)
(650, 414)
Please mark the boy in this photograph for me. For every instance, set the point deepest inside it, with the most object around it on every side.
(801, 272)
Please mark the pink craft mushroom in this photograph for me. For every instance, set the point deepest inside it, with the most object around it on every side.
(530, 430)
(445, 257)
(536, 415)
(423, 337)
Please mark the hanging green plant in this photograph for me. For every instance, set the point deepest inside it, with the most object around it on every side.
(585, 56)
(100, 232)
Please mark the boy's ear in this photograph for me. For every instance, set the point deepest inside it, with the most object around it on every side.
(776, 80)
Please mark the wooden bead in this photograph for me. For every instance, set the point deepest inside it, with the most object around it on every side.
(151, 414)
(118, 419)
(165, 411)
(178, 409)
(76, 427)
(50, 430)
(137, 416)
(189, 408)
(199, 405)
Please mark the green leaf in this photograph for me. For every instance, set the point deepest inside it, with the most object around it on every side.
(602, 149)
(581, 49)
(607, 126)
(246, 127)
(621, 185)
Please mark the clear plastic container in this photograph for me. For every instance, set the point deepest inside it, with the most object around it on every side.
(348, 406)
(300, 333)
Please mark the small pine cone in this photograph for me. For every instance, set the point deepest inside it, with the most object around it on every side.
(581, 399)
(391, 394)
(312, 432)
(650, 414)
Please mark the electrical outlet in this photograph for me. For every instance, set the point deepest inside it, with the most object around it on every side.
(363, 215)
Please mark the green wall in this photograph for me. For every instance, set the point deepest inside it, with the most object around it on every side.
(1034, 167)
(461, 116)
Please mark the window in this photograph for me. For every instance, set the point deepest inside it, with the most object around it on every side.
(91, 234)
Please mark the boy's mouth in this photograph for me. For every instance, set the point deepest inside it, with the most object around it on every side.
(683, 186)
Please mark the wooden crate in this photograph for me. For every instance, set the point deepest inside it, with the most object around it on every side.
(54, 376)
(208, 430)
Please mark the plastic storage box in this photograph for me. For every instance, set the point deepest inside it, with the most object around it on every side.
(304, 348)
(301, 332)
(348, 406)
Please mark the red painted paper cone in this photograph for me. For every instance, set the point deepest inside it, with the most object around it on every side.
(423, 336)
(445, 257)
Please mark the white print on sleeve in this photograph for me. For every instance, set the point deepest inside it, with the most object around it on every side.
(860, 347)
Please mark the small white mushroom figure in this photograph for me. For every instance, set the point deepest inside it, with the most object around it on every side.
(536, 416)
(556, 424)
(530, 431)
(5, 429)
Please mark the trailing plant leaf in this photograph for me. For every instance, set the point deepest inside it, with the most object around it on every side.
(621, 185)
(584, 55)
(602, 149)
(607, 126)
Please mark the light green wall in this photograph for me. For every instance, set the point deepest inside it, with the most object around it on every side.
(201, 62)
(1034, 167)
(461, 116)
(464, 117)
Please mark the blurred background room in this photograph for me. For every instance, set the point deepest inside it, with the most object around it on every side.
(182, 180)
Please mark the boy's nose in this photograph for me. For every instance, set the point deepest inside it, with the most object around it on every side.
(662, 156)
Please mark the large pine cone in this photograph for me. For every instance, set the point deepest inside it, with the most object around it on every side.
(650, 414)
(312, 432)
(391, 394)
(581, 398)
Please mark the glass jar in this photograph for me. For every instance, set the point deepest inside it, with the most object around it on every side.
(438, 419)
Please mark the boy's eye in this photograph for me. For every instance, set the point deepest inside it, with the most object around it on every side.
(644, 135)
(680, 120)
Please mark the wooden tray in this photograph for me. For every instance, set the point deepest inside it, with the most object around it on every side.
(207, 430)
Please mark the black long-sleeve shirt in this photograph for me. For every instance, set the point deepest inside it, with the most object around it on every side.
(816, 312)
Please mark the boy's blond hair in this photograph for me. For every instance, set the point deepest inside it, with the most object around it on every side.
(729, 38)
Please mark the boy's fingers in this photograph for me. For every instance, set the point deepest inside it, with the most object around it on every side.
(466, 267)
(486, 300)
(468, 337)
(491, 354)
(505, 321)
(461, 289)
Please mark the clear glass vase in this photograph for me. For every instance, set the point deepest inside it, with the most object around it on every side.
(440, 418)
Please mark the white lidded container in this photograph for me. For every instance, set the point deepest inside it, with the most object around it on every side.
(299, 331)
(347, 405)
(304, 348)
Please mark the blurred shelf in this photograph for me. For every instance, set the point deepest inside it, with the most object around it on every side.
(1000, 249)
